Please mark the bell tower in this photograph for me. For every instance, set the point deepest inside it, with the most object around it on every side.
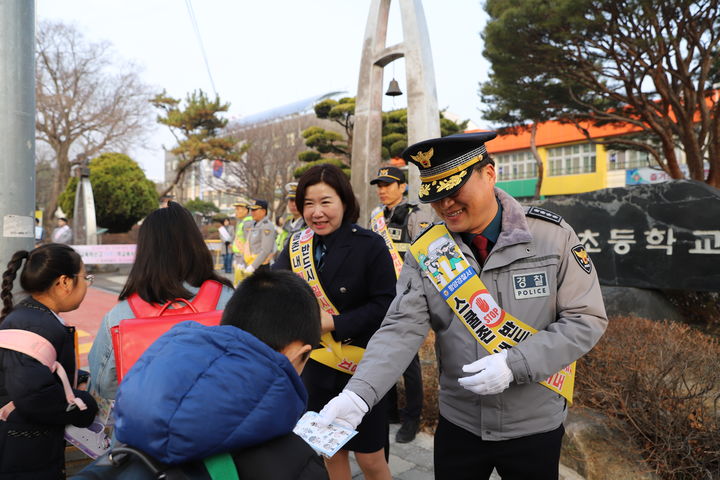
(423, 114)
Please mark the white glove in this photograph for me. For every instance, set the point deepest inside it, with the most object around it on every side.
(347, 409)
(249, 269)
(494, 377)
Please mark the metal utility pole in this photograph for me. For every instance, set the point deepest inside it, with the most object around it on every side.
(17, 127)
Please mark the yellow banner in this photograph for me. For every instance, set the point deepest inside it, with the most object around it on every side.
(378, 225)
(332, 353)
(459, 284)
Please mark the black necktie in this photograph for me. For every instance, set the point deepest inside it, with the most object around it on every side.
(320, 250)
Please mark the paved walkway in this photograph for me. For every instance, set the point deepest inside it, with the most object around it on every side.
(408, 461)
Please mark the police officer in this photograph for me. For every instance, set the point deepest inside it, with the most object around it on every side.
(404, 222)
(494, 412)
(294, 221)
(243, 222)
(260, 245)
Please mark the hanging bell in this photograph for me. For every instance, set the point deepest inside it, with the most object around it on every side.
(393, 89)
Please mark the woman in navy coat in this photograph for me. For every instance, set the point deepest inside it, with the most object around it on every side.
(356, 272)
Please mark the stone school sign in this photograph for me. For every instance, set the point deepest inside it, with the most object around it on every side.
(663, 236)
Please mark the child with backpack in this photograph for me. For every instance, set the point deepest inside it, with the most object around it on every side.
(171, 261)
(221, 402)
(36, 398)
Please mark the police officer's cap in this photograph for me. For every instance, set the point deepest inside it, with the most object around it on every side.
(446, 163)
(291, 189)
(258, 204)
(389, 175)
(242, 203)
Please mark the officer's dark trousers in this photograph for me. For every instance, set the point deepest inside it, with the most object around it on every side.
(461, 455)
(413, 391)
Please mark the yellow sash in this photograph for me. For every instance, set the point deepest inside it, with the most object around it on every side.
(378, 225)
(331, 353)
(495, 329)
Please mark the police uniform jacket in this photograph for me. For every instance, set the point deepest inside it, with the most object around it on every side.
(570, 318)
(290, 226)
(359, 279)
(261, 241)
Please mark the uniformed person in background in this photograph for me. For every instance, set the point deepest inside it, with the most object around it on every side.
(404, 222)
(243, 222)
(260, 245)
(294, 221)
(497, 410)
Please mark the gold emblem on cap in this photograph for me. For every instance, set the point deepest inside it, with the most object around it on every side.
(423, 158)
(451, 182)
(383, 172)
(424, 190)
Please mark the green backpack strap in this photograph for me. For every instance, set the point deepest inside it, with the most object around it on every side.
(221, 467)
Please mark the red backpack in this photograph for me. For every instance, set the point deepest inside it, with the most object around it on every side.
(132, 336)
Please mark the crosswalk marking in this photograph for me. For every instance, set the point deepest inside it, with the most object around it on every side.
(85, 340)
(82, 333)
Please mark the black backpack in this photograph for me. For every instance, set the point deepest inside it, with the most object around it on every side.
(124, 462)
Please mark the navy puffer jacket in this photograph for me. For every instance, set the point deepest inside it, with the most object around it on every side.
(198, 391)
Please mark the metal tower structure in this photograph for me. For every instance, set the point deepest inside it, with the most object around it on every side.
(423, 114)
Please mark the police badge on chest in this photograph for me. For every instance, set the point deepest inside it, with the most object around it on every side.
(530, 285)
(395, 233)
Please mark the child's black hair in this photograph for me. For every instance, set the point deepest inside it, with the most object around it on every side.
(277, 307)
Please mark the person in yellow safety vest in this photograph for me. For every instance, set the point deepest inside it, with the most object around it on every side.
(242, 226)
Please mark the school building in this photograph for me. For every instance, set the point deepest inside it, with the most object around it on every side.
(571, 162)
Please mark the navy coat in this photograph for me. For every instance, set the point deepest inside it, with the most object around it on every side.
(359, 279)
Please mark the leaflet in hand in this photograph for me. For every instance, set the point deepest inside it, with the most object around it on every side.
(94, 440)
(325, 440)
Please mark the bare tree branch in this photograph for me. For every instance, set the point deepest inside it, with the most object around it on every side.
(86, 103)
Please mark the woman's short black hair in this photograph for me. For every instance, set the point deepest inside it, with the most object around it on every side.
(170, 251)
(333, 176)
(276, 306)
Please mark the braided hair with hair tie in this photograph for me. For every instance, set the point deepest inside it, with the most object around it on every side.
(8, 278)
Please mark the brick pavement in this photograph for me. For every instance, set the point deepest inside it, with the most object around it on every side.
(87, 318)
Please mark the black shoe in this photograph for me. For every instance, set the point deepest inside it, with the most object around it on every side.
(408, 430)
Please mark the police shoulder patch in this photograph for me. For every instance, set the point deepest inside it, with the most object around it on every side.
(542, 214)
(266, 232)
(582, 258)
(427, 227)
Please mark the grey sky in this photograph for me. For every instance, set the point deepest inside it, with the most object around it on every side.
(264, 54)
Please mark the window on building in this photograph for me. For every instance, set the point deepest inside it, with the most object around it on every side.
(515, 166)
(571, 159)
(627, 160)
